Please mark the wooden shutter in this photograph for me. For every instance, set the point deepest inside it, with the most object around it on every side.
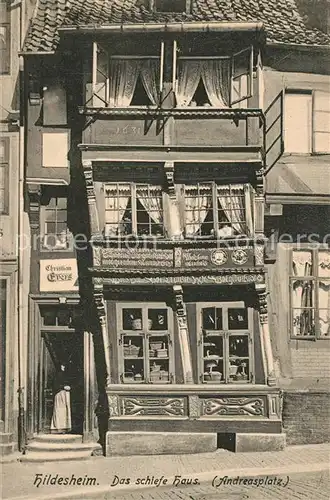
(241, 75)
(321, 122)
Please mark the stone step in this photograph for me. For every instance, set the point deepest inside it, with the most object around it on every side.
(58, 438)
(6, 449)
(55, 457)
(5, 437)
(55, 447)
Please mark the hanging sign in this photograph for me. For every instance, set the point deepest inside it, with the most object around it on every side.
(60, 275)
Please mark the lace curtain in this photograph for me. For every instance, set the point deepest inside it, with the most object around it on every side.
(302, 294)
(232, 200)
(152, 204)
(216, 76)
(189, 74)
(196, 210)
(123, 77)
(116, 202)
(149, 72)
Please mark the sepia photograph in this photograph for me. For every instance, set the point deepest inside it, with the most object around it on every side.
(165, 249)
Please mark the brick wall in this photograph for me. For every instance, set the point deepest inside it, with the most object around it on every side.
(306, 417)
(311, 360)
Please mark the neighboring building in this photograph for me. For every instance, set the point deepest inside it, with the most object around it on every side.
(148, 134)
(14, 265)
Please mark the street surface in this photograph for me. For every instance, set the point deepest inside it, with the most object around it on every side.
(299, 486)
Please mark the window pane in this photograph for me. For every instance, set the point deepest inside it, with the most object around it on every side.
(213, 371)
(324, 307)
(302, 262)
(237, 319)
(132, 319)
(231, 210)
(324, 264)
(199, 219)
(157, 319)
(213, 347)
(304, 322)
(212, 318)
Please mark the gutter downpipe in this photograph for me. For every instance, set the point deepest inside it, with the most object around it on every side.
(184, 27)
(19, 239)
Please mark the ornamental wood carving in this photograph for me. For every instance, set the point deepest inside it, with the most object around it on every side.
(251, 406)
(147, 406)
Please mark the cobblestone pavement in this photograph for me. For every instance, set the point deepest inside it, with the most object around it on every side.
(310, 486)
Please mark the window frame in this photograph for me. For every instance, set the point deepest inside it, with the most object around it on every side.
(97, 48)
(133, 187)
(214, 194)
(5, 59)
(5, 164)
(314, 278)
(43, 225)
(225, 333)
(231, 59)
(312, 125)
(144, 334)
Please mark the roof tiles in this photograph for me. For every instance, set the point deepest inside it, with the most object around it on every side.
(284, 23)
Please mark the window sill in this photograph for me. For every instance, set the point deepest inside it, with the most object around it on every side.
(206, 112)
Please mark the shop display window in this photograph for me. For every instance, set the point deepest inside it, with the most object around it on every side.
(145, 344)
(226, 344)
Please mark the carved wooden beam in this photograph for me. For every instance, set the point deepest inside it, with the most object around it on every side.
(102, 316)
(265, 334)
(181, 318)
(91, 198)
(171, 207)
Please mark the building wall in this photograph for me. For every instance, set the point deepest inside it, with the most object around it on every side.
(306, 417)
(11, 235)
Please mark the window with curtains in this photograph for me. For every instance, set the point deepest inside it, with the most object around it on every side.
(221, 211)
(220, 82)
(133, 209)
(122, 81)
(56, 235)
(310, 294)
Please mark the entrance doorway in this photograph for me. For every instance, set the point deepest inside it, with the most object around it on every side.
(61, 348)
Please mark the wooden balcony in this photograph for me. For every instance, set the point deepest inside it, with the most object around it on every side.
(206, 128)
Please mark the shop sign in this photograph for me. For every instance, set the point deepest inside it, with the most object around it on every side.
(186, 258)
(137, 258)
(59, 275)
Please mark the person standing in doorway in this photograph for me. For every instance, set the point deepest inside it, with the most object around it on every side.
(61, 419)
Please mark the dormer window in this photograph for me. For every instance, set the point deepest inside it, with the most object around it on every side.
(170, 5)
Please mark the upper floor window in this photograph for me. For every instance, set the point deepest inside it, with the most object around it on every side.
(56, 235)
(310, 293)
(4, 177)
(133, 209)
(307, 121)
(217, 81)
(125, 80)
(218, 210)
(4, 37)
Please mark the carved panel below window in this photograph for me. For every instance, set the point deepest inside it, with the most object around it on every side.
(148, 406)
(228, 406)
